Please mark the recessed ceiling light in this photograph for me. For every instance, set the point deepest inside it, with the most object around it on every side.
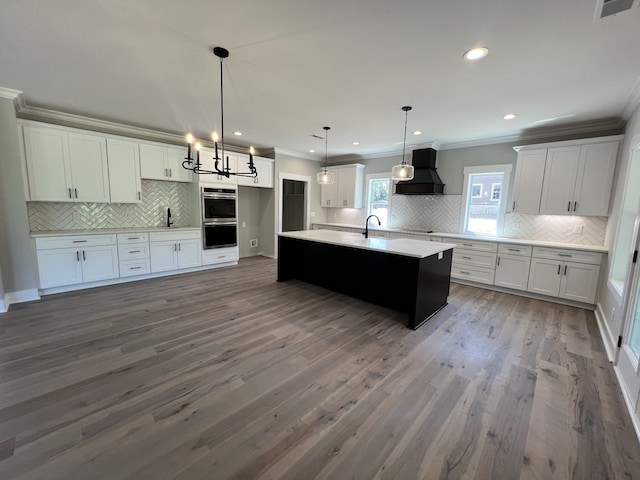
(355, 143)
(237, 133)
(417, 132)
(476, 53)
(510, 116)
(312, 151)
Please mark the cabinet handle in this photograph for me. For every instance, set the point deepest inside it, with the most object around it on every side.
(133, 238)
(75, 190)
(513, 249)
(575, 206)
(77, 256)
(468, 244)
(559, 267)
(221, 256)
(175, 247)
(465, 273)
(514, 206)
(565, 269)
(134, 251)
(498, 260)
(165, 172)
(70, 196)
(564, 255)
(139, 196)
(466, 258)
(84, 255)
(135, 268)
(79, 241)
(170, 173)
(569, 207)
(179, 247)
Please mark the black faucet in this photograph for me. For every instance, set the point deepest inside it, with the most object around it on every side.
(366, 225)
(169, 221)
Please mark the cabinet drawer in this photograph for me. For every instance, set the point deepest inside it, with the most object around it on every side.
(134, 251)
(72, 241)
(473, 274)
(474, 245)
(174, 236)
(510, 249)
(593, 258)
(479, 259)
(219, 255)
(134, 267)
(126, 238)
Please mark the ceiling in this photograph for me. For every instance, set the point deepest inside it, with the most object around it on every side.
(298, 65)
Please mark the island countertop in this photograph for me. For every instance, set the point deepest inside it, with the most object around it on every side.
(407, 247)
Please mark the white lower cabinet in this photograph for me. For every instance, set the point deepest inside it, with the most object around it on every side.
(565, 274)
(133, 251)
(220, 255)
(512, 272)
(70, 260)
(473, 260)
(174, 250)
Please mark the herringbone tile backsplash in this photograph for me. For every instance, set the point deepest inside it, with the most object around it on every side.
(441, 213)
(157, 196)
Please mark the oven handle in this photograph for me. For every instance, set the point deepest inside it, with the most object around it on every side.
(223, 196)
(219, 222)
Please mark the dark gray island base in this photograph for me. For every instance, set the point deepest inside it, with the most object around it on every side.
(418, 286)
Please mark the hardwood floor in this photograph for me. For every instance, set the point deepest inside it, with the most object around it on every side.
(227, 374)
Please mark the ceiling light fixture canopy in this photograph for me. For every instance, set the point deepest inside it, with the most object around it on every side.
(326, 177)
(220, 166)
(403, 171)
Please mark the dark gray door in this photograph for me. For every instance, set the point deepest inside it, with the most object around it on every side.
(293, 192)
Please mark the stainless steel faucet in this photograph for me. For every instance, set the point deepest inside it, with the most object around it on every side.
(366, 225)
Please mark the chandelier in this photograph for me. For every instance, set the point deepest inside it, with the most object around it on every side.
(221, 163)
(403, 171)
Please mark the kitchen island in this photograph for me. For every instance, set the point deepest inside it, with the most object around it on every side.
(401, 274)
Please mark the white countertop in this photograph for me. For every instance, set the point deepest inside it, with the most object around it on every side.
(103, 231)
(514, 241)
(407, 247)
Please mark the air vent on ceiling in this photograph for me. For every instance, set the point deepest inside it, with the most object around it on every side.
(606, 8)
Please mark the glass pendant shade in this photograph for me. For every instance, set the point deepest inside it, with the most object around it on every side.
(401, 172)
(326, 177)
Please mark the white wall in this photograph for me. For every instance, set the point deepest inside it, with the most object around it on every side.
(17, 259)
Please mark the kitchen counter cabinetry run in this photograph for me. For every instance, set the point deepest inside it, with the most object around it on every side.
(375, 270)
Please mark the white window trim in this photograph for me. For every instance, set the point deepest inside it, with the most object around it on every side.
(504, 169)
(480, 194)
(378, 176)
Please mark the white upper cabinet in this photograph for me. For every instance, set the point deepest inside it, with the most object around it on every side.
(124, 171)
(566, 178)
(159, 162)
(207, 160)
(528, 181)
(346, 191)
(66, 166)
(264, 166)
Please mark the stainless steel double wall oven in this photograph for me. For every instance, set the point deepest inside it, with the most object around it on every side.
(219, 222)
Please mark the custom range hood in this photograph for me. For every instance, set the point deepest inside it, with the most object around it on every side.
(426, 180)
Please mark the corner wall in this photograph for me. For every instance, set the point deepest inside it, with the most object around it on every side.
(17, 257)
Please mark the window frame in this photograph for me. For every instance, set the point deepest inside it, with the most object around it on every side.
(504, 169)
(378, 176)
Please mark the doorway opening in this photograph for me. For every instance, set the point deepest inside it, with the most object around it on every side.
(293, 205)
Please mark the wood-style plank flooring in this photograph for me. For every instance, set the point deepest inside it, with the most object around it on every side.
(227, 374)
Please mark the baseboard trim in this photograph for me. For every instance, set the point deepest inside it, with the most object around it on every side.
(629, 403)
(18, 297)
(605, 334)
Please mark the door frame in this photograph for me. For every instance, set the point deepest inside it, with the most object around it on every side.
(307, 202)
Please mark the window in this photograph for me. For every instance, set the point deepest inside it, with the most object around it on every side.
(378, 187)
(483, 209)
(496, 188)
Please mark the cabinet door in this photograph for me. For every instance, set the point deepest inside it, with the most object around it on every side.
(594, 179)
(163, 256)
(512, 271)
(528, 181)
(579, 282)
(177, 173)
(124, 171)
(189, 253)
(89, 169)
(242, 162)
(265, 173)
(153, 160)
(559, 180)
(544, 277)
(48, 168)
(346, 187)
(329, 194)
(58, 267)
(99, 263)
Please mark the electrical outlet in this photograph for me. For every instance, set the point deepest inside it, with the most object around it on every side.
(312, 214)
(244, 224)
(516, 226)
(253, 242)
(613, 314)
(578, 228)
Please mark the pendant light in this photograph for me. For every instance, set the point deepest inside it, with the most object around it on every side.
(326, 177)
(403, 171)
(220, 167)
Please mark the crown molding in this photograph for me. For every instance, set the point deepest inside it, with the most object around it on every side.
(10, 93)
(391, 153)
